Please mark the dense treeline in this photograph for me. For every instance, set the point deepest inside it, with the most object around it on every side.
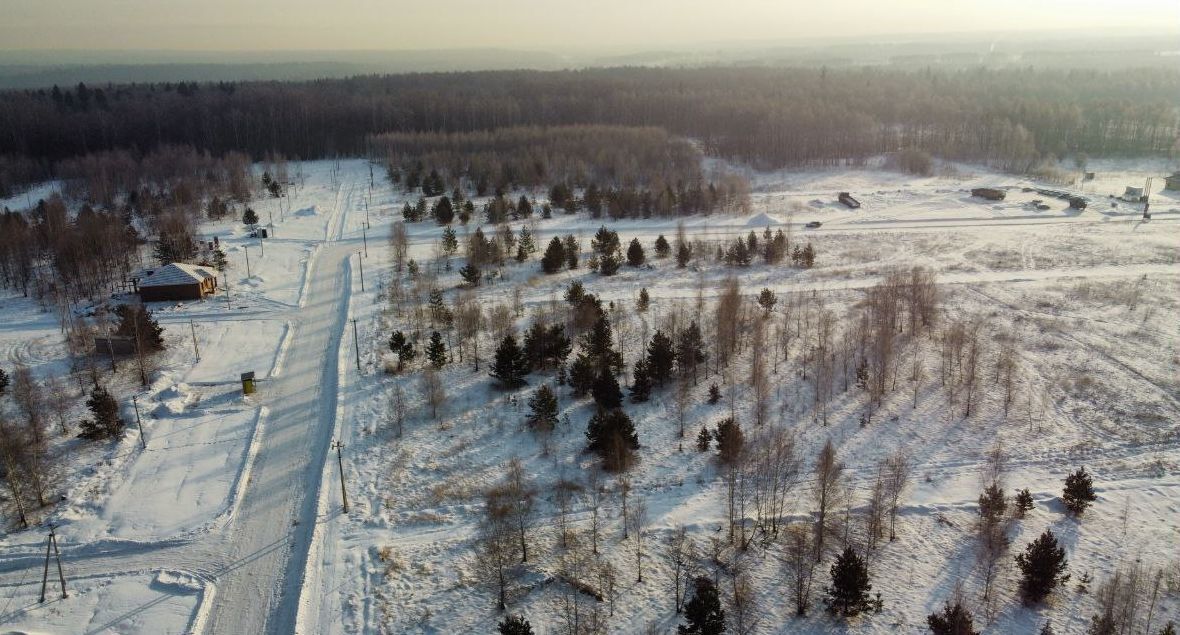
(769, 116)
(535, 156)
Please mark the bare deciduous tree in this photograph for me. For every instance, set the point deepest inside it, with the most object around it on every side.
(433, 393)
(828, 489)
(799, 558)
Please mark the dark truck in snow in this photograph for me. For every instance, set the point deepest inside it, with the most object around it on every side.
(846, 198)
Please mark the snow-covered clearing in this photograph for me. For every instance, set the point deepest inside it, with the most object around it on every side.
(230, 521)
(1101, 383)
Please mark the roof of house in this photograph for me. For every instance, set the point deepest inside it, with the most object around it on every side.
(175, 273)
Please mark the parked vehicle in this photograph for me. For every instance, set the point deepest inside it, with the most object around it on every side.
(847, 200)
(813, 224)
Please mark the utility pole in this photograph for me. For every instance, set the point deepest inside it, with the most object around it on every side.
(362, 264)
(356, 343)
(61, 575)
(365, 239)
(225, 279)
(194, 330)
(271, 213)
(340, 461)
(138, 422)
(262, 246)
(246, 248)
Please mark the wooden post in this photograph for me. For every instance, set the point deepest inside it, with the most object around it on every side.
(362, 264)
(138, 422)
(61, 574)
(357, 344)
(194, 331)
(246, 248)
(339, 461)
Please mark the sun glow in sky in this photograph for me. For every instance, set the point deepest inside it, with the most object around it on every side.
(254, 25)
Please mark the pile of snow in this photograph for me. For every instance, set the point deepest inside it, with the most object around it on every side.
(177, 582)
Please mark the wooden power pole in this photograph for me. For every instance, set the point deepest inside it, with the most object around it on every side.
(340, 462)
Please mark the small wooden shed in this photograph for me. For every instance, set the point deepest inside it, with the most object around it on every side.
(178, 281)
(1172, 182)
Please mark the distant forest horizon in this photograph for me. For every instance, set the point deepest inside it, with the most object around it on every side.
(764, 116)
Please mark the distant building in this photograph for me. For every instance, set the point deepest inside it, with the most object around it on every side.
(848, 201)
(178, 281)
(990, 193)
(1172, 182)
(1133, 194)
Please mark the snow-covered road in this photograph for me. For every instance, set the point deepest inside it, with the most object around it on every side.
(252, 566)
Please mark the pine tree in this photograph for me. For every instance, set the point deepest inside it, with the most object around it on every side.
(4, 381)
(608, 265)
(641, 384)
(526, 242)
(105, 422)
(554, 258)
(1023, 502)
(635, 256)
(543, 406)
(571, 251)
(683, 255)
(644, 300)
(703, 614)
(662, 247)
(443, 211)
(606, 390)
(766, 300)
(402, 347)
(953, 620)
(730, 441)
(992, 503)
(436, 350)
(714, 394)
(582, 374)
(611, 435)
(704, 437)
(523, 207)
(470, 274)
(808, 257)
(136, 321)
(250, 217)
(515, 625)
(546, 345)
(598, 345)
(1047, 629)
(1042, 567)
(522, 254)
(450, 243)
(690, 350)
(1168, 629)
(220, 262)
(1079, 491)
(849, 594)
(660, 358)
(511, 366)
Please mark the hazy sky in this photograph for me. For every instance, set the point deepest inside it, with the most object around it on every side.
(250, 25)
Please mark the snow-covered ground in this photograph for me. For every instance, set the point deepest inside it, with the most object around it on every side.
(1102, 379)
(230, 519)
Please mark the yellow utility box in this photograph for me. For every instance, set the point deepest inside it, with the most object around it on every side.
(248, 383)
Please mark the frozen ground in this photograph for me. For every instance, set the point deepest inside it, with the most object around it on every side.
(1101, 388)
(239, 497)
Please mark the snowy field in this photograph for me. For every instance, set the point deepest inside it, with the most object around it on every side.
(154, 536)
(1100, 390)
